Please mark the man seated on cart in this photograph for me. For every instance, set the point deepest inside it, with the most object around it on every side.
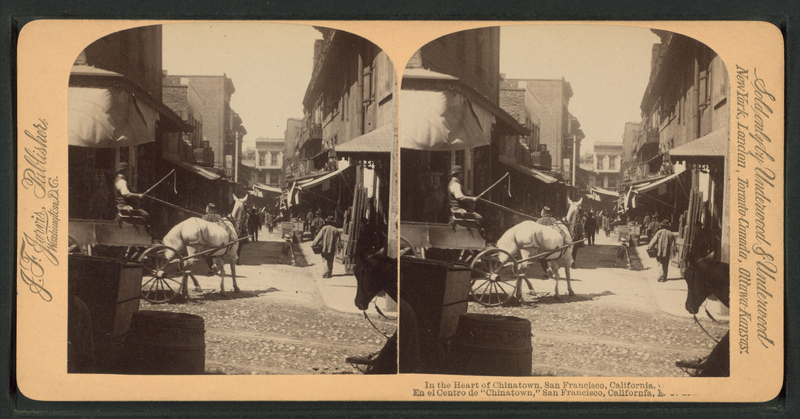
(461, 206)
(128, 205)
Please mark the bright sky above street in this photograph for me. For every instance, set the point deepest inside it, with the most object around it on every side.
(270, 65)
(607, 66)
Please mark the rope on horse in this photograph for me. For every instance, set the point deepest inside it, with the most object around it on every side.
(704, 329)
(373, 325)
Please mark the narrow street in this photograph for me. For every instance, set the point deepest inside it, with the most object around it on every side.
(279, 323)
(621, 322)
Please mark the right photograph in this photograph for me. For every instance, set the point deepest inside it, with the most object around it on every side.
(564, 204)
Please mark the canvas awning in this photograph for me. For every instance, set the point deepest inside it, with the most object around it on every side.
(605, 192)
(109, 117)
(538, 174)
(208, 174)
(713, 144)
(310, 183)
(441, 113)
(267, 188)
(108, 110)
(379, 140)
(652, 185)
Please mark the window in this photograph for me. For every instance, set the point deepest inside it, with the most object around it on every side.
(600, 160)
(612, 183)
(262, 159)
(274, 160)
(612, 162)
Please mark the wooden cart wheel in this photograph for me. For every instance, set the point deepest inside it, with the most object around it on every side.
(407, 248)
(161, 279)
(493, 283)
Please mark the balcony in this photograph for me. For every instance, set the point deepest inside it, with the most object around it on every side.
(311, 132)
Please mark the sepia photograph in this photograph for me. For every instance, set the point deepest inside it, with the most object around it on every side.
(229, 202)
(397, 210)
(593, 159)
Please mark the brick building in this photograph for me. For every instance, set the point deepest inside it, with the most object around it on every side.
(547, 103)
(222, 127)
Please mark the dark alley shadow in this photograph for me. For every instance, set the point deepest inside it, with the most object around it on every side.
(548, 298)
(214, 295)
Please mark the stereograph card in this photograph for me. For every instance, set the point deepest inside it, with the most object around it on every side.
(437, 143)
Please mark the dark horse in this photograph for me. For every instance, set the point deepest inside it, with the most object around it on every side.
(376, 272)
(704, 277)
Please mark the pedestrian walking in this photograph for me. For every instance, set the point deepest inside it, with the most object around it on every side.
(269, 220)
(309, 220)
(660, 247)
(253, 224)
(606, 224)
(579, 234)
(317, 224)
(590, 227)
(328, 238)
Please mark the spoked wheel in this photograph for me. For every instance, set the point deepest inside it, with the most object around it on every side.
(161, 279)
(407, 248)
(493, 282)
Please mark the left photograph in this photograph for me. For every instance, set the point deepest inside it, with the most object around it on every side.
(232, 202)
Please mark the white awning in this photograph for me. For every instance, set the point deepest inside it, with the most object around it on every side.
(267, 188)
(443, 120)
(310, 183)
(652, 185)
(109, 117)
(606, 192)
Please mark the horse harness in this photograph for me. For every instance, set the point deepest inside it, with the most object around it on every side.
(221, 222)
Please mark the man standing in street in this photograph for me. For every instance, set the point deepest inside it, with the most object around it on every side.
(253, 224)
(590, 228)
(269, 220)
(329, 238)
(317, 224)
(309, 219)
(662, 243)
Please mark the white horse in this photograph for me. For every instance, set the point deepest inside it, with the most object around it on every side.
(528, 237)
(195, 235)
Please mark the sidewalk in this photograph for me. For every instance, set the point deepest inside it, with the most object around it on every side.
(339, 291)
(670, 295)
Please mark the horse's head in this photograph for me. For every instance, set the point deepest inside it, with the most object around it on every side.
(574, 210)
(374, 271)
(705, 277)
(237, 213)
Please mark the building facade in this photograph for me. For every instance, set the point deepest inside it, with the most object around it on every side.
(268, 158)
(547, 103)
(452, 116)
(681, 152)
(222, 127)
(119, 74)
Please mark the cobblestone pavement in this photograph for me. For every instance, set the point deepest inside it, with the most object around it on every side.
(278, 323)
(612, 326)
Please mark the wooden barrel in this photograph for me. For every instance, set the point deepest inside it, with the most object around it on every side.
(160, 342)
(486, 344)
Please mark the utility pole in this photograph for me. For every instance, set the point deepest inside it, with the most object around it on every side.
(575, 145)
